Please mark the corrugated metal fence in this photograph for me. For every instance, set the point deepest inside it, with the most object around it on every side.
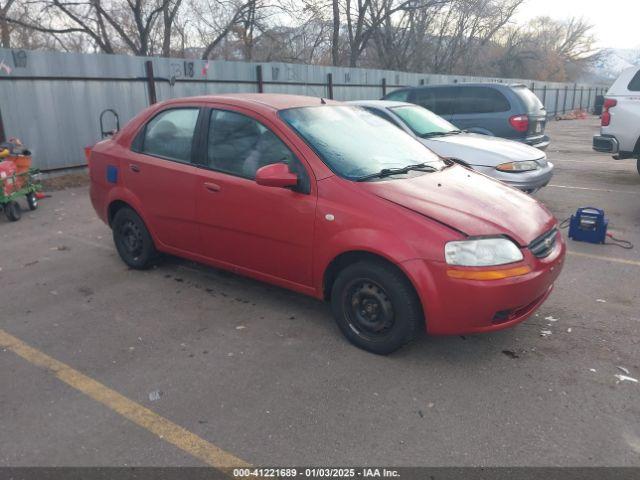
(52, 101)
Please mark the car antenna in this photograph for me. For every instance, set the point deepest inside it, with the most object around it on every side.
(323, 101)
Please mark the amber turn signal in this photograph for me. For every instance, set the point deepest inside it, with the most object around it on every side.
(488, 274)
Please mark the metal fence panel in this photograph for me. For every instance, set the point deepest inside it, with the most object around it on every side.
(53, 100)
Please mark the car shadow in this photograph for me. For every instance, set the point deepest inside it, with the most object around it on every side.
(241, 288)
(457, 349)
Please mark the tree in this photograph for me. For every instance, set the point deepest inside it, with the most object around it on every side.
(335, 34)
(112, 26)
(465, 31)
(215, 20)
(169, 12)
(5, 27)
(472, 37)
(402, 41)
(549, 49)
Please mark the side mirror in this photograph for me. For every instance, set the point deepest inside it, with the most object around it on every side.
(276, 175)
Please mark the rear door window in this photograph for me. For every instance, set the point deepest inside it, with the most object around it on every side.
(481, 100)
(170, 134)
(634, 84)
(441, 101)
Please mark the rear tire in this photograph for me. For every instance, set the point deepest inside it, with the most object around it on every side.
(376, 307)
(13, 211)
(133, 240)
(638, 165)
(32, 201)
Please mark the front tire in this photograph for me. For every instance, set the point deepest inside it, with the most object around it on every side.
(638, 165)
(32, 201)
(376, 307)
(133, 240)
(13, 211)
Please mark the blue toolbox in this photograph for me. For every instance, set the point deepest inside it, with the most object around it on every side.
(588, 225)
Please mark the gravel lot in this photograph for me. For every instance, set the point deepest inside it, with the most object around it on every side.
(265, 374)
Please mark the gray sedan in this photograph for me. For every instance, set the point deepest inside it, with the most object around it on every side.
(514, 163)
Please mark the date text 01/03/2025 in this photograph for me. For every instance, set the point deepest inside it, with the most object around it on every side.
(315, 472)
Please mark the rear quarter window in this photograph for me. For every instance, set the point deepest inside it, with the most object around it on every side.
(530, 100)
(634, 84)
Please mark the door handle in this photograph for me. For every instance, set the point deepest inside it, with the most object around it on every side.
(212, 187)
(134, 168)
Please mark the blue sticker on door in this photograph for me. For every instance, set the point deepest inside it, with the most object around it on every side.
(112, 174)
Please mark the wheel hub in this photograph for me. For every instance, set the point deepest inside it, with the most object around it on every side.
(370, 308)
(131, 238)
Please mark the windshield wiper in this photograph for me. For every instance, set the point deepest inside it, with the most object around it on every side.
(386, 172)
(432, 134)
(439, 134)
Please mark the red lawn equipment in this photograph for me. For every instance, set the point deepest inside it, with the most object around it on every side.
(17, 179)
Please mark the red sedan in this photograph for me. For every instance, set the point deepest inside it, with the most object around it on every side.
(331, 201)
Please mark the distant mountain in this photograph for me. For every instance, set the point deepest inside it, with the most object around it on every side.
(614, 60)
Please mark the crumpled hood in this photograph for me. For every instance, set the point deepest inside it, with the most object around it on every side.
(476, 149)
(468, 202)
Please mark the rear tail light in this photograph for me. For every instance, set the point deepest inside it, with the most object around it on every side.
(519, 122)
(606, 115)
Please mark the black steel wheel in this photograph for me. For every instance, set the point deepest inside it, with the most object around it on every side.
(13, 211)
(368, 307)
(132, 239)
(32, 201)
(376, 307)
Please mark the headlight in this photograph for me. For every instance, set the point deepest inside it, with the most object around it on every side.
(482, 252)
(526, 166)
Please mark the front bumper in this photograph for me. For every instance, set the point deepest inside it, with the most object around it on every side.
(526, 181)
(457, 306)
(540, 142)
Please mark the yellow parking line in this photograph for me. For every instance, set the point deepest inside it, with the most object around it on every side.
(605, 258)
(145, 418)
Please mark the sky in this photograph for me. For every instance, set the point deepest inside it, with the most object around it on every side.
(615, 21)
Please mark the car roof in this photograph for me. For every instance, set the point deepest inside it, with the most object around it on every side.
(380, 103)
(621, 85)
(272, 101)
(465, 84)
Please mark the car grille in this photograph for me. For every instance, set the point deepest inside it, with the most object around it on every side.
(544, 244)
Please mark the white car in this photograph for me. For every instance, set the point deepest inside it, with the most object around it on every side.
(620, 121)
(513, 163)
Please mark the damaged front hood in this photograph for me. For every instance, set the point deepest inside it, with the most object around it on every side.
(468, 202)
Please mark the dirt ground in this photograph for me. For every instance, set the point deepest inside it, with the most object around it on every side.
(64, 180)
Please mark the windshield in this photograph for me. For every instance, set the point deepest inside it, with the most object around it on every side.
(421, 121)
(355, 143)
